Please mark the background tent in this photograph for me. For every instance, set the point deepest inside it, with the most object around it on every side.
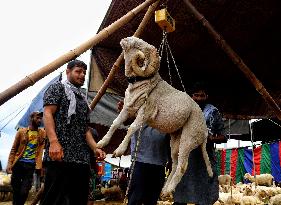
(36, 104)
(267, 130)
(249, 27)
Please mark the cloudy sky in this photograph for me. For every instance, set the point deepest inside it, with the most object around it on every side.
(34, 33)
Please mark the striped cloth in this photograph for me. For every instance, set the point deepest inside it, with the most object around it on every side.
(238, 161)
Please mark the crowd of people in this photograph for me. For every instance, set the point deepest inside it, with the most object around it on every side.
(69, 145)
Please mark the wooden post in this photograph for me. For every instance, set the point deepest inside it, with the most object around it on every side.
(42, 72)
(236, 59)
(116, 66)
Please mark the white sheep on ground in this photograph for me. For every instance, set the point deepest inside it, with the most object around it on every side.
(262, 179)
(275, 200)
(234, 198)
(224, 179)
(250, 200)
(153, 101)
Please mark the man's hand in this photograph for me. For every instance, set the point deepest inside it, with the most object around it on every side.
(56, 151)
(120, 105)
(9, 169)
(217, 138)
(100, 154)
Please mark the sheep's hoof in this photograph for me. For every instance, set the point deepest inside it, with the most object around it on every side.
(170, 189)
(167, 191)
(114, 155)
(101, 144)
(165, 194)
(118, 152)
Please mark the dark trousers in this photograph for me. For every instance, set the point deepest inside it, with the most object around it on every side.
(66, 184)
(21, 181)
(177, 203)
(146, 184)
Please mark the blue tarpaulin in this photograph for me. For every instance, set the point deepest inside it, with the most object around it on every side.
(36, 104)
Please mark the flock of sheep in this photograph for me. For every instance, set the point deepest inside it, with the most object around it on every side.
(261, 190)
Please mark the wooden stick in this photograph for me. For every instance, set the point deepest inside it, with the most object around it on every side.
(116, 66)
(72, 54)
(236, 59)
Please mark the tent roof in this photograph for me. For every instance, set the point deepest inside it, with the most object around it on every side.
(249, 27)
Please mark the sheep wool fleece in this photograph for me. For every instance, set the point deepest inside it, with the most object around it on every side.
(196, 186)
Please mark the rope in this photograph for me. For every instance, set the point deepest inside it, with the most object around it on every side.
(253, 158)
(135, 157)
(11, 119)
(4, 118)
(274, 122)
(230, 173)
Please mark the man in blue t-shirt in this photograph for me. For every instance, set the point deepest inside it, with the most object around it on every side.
(148, 175)
(151, 157)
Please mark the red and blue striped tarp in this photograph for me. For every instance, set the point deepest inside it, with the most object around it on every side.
(238, 161)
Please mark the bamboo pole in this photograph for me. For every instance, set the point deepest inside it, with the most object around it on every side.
(236, 59)
(54, 65)
(116, 66)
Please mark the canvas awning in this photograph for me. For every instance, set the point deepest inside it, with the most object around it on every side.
(250, 28)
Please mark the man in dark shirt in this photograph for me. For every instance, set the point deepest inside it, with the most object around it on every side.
(196, 186)
(67, 156)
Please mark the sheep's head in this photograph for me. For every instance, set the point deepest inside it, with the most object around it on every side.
(141, 58)
(247, 176)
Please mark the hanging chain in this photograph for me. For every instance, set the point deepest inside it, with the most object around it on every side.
(164, 4)
(175, 65)
(161, 46)
(167, 56)
(165, 45)
(134, 158)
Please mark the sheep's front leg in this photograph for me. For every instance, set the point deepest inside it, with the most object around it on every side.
(122, 117)
(136, 125)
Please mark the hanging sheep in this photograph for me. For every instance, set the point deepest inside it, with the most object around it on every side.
(153, 101)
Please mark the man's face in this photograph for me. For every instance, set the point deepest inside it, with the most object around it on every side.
(37, 120)
(76, 76)
(200, 97)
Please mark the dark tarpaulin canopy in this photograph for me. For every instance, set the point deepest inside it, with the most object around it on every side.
(267, 130)
(249, 27)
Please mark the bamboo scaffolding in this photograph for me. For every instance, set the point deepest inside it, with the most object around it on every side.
(54, 65)
(120, 60)
(236, 59)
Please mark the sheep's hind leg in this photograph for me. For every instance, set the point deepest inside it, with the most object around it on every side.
(174, 144)
(188, 142)
(122, 117)
(136, 125)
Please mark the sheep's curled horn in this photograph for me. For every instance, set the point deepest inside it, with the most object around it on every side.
(145, 67)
